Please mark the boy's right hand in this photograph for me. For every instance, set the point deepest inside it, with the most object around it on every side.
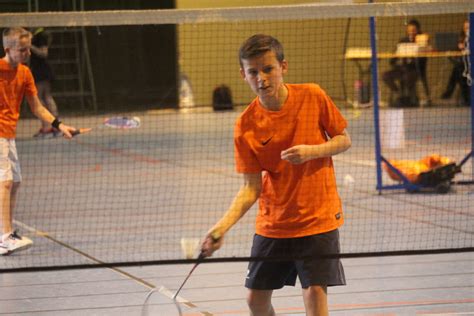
(210, 244)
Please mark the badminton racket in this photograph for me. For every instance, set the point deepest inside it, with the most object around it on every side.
(188, 246)
(117, 122)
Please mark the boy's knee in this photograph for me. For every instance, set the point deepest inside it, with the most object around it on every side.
(253, 300)
(259, 302)
(7, 185)
(315, 292)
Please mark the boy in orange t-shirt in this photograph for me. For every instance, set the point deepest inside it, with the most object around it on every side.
(16, 82)
(283, 144)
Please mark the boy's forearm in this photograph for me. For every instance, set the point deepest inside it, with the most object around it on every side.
(243, 201)
(333, 146)
(39, 110)
(302, 153)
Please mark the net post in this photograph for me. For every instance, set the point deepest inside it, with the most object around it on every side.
(375, 88)
(471, 72)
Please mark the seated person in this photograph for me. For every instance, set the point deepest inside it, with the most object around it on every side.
(459, 68)
(406, 72)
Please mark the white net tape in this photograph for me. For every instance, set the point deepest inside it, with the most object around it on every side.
(181, 16)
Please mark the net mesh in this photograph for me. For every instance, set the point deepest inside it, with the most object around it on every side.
(116, 196)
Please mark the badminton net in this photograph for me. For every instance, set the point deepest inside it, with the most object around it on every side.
(129, 196)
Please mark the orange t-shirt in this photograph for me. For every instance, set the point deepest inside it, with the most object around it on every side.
(296, 200)
(14, 84)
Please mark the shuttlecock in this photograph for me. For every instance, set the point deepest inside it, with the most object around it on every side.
(189, 246)
(348, 180)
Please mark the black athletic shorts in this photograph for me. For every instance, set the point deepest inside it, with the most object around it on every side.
(269, 275)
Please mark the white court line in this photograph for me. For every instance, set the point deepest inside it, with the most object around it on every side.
(366, 163)
(166, 292)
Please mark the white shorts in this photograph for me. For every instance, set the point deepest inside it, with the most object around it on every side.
(9, 163)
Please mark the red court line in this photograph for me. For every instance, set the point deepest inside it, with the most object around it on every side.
(343, 307)
(413, 218)
(400, 303)
(151, 160)
(121, 152)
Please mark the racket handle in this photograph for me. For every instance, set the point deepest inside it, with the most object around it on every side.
(200, 257)
(75, 132)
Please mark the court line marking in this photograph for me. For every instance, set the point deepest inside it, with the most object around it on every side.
(150, 160)
(162, 290)
(461, 313)
(446, 314)
(360, 162)
(370, 306)
(409, 217)
(219, 171)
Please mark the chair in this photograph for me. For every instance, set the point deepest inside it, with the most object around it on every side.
(408, 77)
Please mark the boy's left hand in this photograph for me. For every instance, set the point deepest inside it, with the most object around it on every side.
(298, 154)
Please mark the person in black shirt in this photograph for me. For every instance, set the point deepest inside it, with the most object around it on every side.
(43, 75)
(459, 68)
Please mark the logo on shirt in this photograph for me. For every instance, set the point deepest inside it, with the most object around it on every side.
(267, 141)
(338, 216)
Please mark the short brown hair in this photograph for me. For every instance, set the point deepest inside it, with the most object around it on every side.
(12, 35)
(258, 45)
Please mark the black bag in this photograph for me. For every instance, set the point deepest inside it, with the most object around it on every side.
(222, 98)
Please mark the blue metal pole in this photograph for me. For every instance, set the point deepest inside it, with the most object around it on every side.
(375, 88)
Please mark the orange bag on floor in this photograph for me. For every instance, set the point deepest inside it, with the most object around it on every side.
(411, 169)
